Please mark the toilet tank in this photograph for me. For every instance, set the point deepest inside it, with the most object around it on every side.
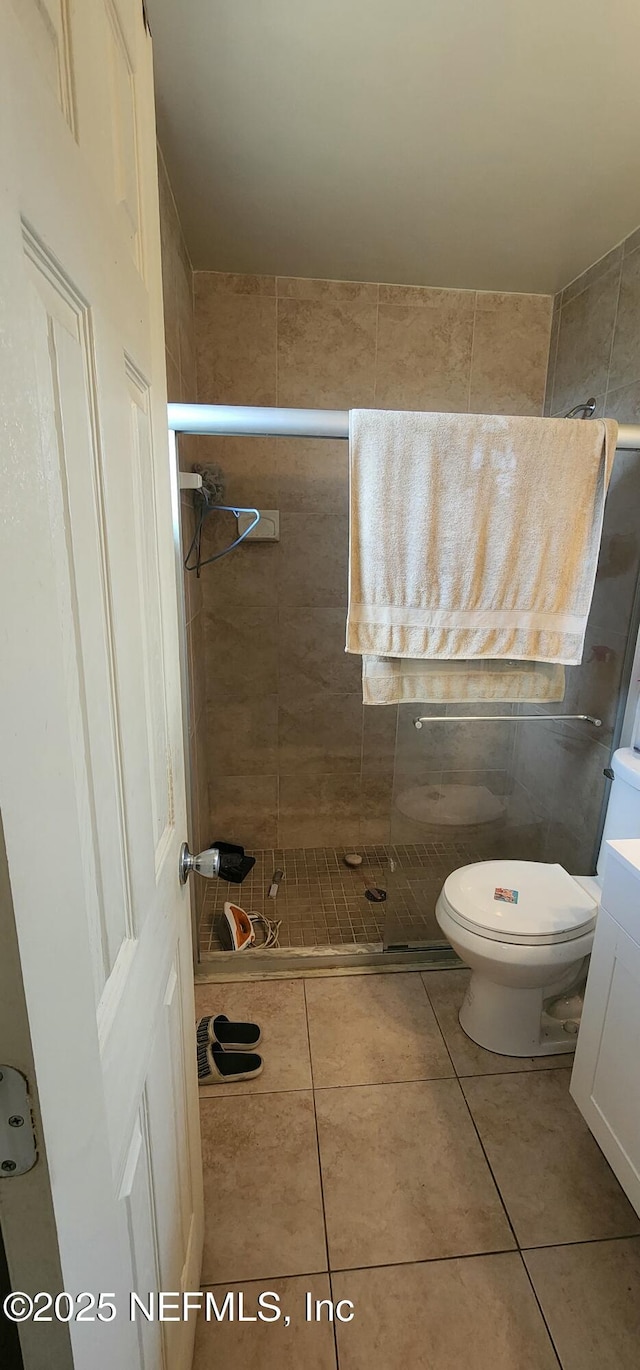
(623, 810)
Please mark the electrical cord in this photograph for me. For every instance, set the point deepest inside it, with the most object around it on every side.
(271, 929)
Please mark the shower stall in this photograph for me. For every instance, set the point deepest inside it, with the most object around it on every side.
(360, 813)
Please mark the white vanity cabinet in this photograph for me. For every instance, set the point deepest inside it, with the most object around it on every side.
(605, 1081)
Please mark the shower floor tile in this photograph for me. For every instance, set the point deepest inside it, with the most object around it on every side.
(322, 902)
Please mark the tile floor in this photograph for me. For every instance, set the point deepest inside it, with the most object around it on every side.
(456, 1198)
(322, 902)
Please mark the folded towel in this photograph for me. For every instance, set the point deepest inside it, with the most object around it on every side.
(474, 536)
(400, 680)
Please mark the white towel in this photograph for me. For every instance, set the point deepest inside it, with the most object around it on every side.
(400, 680)
(474, 536)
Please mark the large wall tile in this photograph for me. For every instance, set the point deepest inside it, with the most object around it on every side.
(249, 468)
(424, 352)
(313, 475)
(312, 562)
(306, 288)
(625, 357)
(594, 686)
(312, 655)
(535, 761)
(244, 809)
(379, 727)
(375, 807)
(319, 732)
(174, 384)
(326, 353)
(579, 790)
(553, 352)
(242, 736)
(510, 353)
(319, 810)
(241, 653)
(598, 350)
(235, 346)
(192, 584)
(195, 649)
(584, 344)
(620, 548)
(208, 283)
(247, 577)
(592, 274)
(451, 746)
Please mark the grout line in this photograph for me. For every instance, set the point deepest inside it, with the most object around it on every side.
(427, 1260)
(508, 1218)
(277, 330)
(582, 1241)
(540, 1308)
(297, 1275)
(613, 336)
(315, 1117)
(375, 359)
(473, 339)
(550, 379)
(252, 1093)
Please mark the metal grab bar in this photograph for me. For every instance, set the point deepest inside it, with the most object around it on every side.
(504, 718)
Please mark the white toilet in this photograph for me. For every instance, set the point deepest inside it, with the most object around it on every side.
(525, 929)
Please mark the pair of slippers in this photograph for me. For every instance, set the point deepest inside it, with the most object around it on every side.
(226, 1051)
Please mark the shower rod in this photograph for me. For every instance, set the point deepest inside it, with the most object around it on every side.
(240, 420)
(504, 718)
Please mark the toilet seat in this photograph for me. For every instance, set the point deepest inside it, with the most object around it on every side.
(551, 906)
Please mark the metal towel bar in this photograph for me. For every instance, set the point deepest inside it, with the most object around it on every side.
(504, 718)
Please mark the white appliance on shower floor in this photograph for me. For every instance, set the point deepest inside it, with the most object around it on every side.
(526, 928)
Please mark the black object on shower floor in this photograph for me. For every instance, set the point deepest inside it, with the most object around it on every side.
(234, 863)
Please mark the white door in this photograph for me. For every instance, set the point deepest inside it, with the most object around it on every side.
(91, 760)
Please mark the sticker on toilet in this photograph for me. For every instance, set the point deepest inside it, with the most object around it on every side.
(505, 896)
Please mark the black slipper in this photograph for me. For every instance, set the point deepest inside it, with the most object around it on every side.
(231, 1036)
(218, 1067)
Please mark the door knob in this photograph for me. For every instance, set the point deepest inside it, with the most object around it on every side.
(206, 863)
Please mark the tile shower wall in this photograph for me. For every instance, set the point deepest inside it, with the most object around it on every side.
(294, 760)
(181, 385)
(595, 351)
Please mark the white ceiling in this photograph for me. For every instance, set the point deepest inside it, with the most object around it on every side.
(492, 144)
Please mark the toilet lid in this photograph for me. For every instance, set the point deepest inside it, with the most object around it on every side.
(519, 901)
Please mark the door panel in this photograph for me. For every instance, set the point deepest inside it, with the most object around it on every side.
(92, 780)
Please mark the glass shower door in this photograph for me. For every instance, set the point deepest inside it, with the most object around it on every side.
(483, 789)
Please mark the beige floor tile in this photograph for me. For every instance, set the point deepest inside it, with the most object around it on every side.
(554, 1180)
(268, 1345)
(478, 1313)
(403, 1175)
(263, 1204)
(278, 1007)
(373, 1029)
(589, 1297)
(446, 990)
